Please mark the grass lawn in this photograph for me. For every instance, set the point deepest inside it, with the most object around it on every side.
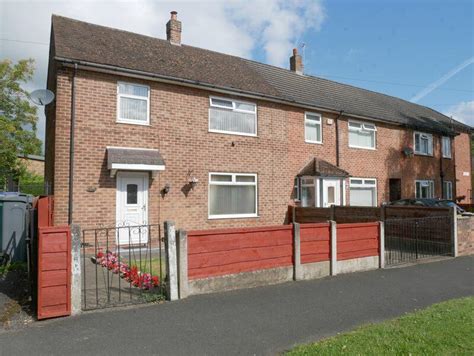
(155, 266)
(442, 329)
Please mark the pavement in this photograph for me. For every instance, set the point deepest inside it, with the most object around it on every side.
(265, 320)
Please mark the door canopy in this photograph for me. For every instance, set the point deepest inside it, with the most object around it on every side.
(134, 159)
(321, 168)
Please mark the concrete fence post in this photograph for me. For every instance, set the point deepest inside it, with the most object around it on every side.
(182, 264)
(171, 260)
(454, 232)
(76, 292)
(296, 252)
(382, 244)
(333, 237)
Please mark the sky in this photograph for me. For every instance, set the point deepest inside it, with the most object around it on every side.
(418, 50)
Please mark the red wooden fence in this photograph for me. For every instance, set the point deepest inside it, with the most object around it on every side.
(54, 264)
(315, 242)
(357, 240)
(229, 251)
(54, 272)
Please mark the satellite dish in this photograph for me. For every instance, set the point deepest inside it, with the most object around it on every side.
(42, 96)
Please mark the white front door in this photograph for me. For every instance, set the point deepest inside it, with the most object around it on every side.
(132, 208)
(331, 192)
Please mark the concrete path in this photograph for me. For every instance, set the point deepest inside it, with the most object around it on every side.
(258, 321)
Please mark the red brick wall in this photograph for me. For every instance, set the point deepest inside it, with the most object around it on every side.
(466, 236)
(357, 240)
(230, 251)
(179, 129)
(462, 145)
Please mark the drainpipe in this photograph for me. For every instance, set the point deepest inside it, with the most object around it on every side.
(71, 144)
(441, 173)
(337, 137)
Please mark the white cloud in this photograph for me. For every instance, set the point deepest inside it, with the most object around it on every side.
(241, 28)
(463, 111)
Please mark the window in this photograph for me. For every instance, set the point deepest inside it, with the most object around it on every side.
(362, 135)
(308, 192)
(232, 195)
(423, 144)
(232, 116)
(448, 190)
(424, 189)
(312, 128)
(446, 146)
(132, 191)
(363, 192)
(133, 103)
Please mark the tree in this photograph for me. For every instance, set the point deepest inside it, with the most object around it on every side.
(18, 118)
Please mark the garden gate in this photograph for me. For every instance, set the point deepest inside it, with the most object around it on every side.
(408, 239)
(122, 265)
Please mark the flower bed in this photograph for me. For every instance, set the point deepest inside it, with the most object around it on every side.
(131, 274)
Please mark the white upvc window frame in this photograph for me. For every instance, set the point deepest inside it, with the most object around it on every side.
(232, 182)
(362, 128)
(320, 123)
(446, 143)
(234, 101)
(448, 188)
(431, 186)
(430, 146)
(128, 121)
(366, 183)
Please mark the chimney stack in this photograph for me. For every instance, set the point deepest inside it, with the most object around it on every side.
(173, 29)
(296, 62)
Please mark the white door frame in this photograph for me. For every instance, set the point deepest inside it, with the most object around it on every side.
(119, 177)
(340, 191)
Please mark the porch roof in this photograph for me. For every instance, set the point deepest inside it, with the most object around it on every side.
(134, 159)
(319, 167)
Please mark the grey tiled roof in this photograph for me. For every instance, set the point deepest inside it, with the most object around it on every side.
(319, 167)
(81, 41)
(134, 156)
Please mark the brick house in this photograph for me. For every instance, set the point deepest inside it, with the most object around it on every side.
(145, 130)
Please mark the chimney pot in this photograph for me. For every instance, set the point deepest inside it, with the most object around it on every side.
(173, 29)
(295, 51)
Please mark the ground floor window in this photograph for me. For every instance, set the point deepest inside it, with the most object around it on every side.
(232, 195)
(448, 190)
(424, 189)
(308, 192)
(363, 192)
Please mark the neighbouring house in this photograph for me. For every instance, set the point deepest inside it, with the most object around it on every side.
(145, 130)
(34, 164)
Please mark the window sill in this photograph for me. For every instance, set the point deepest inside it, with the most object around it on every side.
(133, 123)
(314, 142)
(364, 148)
(447, 157)
(242, 216)
(422, 154)
(232, 133)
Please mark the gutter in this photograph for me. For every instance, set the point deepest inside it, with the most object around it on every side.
(105, 68)
(71, 145)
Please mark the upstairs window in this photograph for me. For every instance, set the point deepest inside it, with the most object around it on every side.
(446, 146)
(423, 144)
(312, 128)
(362, 135)
(133, 103)
(424, 189)
(232, 117)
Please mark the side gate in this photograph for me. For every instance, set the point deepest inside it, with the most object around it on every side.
(54, 271)
(412, 239)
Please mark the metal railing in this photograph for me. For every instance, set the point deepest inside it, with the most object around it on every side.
(122, 265)
(411, 239)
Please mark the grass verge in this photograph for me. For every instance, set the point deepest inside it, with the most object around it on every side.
(443, 329)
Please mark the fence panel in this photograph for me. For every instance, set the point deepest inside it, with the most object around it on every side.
(230, 251)
(315, 242)
(54, 272)
(357, 240)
